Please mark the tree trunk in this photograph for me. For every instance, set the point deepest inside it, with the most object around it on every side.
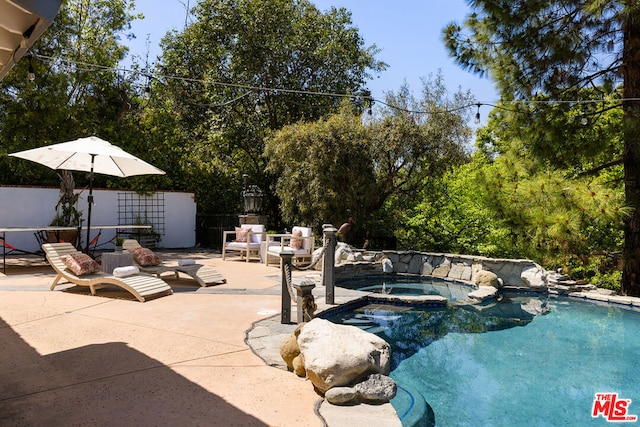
(631, 155)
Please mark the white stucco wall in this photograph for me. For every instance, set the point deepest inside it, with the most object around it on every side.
(35, 207)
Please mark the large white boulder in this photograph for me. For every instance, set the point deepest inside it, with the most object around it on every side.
(342, 253)
(534, 277)
(340, 355)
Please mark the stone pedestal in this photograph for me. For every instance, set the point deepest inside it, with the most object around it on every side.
(304, 290)
(253, 219)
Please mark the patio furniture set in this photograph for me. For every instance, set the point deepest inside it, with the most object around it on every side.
(252, 242)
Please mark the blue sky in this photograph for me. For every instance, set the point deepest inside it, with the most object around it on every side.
(408, 33)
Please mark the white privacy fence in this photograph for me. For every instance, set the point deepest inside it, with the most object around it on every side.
(172, 214)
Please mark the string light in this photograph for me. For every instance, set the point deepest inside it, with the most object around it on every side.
(32, 74)
(371, 100)
(584, 120)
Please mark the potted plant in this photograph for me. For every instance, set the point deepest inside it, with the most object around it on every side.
(67, 213)
(119, 242)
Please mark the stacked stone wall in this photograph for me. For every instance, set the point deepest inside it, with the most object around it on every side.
(519, 273)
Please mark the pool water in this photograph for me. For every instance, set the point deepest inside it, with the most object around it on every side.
(528, 360)
(409, 286)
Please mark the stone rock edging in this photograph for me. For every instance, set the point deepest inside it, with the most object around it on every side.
(517, 274)
(344, 363)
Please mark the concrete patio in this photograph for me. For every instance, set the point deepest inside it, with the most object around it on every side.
(70, 358)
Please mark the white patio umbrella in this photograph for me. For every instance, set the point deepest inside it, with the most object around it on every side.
(91, 155)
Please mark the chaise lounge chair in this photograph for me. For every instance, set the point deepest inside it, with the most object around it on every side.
(141, 286)
(203, 274)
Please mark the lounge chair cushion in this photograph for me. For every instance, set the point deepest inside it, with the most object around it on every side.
(81, 264)
(145, 257)
(241, 234)
(296, 243)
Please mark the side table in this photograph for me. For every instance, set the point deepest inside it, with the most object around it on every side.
(111, 260)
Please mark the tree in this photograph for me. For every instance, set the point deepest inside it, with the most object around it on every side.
(559, 207)
(415, 139)
(245, 68)
(558, 50)
(69, 97)
(325, 169)
(450, 217)
(371, 169)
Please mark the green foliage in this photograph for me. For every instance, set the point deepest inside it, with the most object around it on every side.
(239, 65)
(553, 47)
(512, 201)
(555, 61)
(554, 212)
(451, 217)
(68, 99)
(418, 139)
(602, 270)
(339, 167)
(67, 213)
(325, 169)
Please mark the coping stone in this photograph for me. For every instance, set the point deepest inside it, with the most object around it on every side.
(427, 269)
(456, 271)
(441, 271)
(466, 273)
(415, 264)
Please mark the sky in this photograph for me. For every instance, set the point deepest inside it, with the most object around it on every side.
(407, 32)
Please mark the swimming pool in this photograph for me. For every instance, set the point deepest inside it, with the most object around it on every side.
(410, 286)
(527, 360)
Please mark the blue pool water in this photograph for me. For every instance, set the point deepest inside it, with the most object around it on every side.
(525, 361)
(409, 286)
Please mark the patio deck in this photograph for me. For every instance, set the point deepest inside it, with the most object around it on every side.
(70, 358)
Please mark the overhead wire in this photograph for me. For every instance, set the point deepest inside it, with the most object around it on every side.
(87, 66)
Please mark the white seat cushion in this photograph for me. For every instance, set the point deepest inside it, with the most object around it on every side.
(278, 249)
(242, 245)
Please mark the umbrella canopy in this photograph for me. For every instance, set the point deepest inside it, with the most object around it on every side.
(91, 155)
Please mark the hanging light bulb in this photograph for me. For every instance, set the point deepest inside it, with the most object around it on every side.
(32, 74)
(584, 120)
(478, 114)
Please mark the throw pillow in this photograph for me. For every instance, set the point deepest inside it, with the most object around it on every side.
(295, 243)
(81, 264)
(145, 257)
(241, 234)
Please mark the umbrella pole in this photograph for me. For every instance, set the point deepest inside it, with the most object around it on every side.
(90, 200)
